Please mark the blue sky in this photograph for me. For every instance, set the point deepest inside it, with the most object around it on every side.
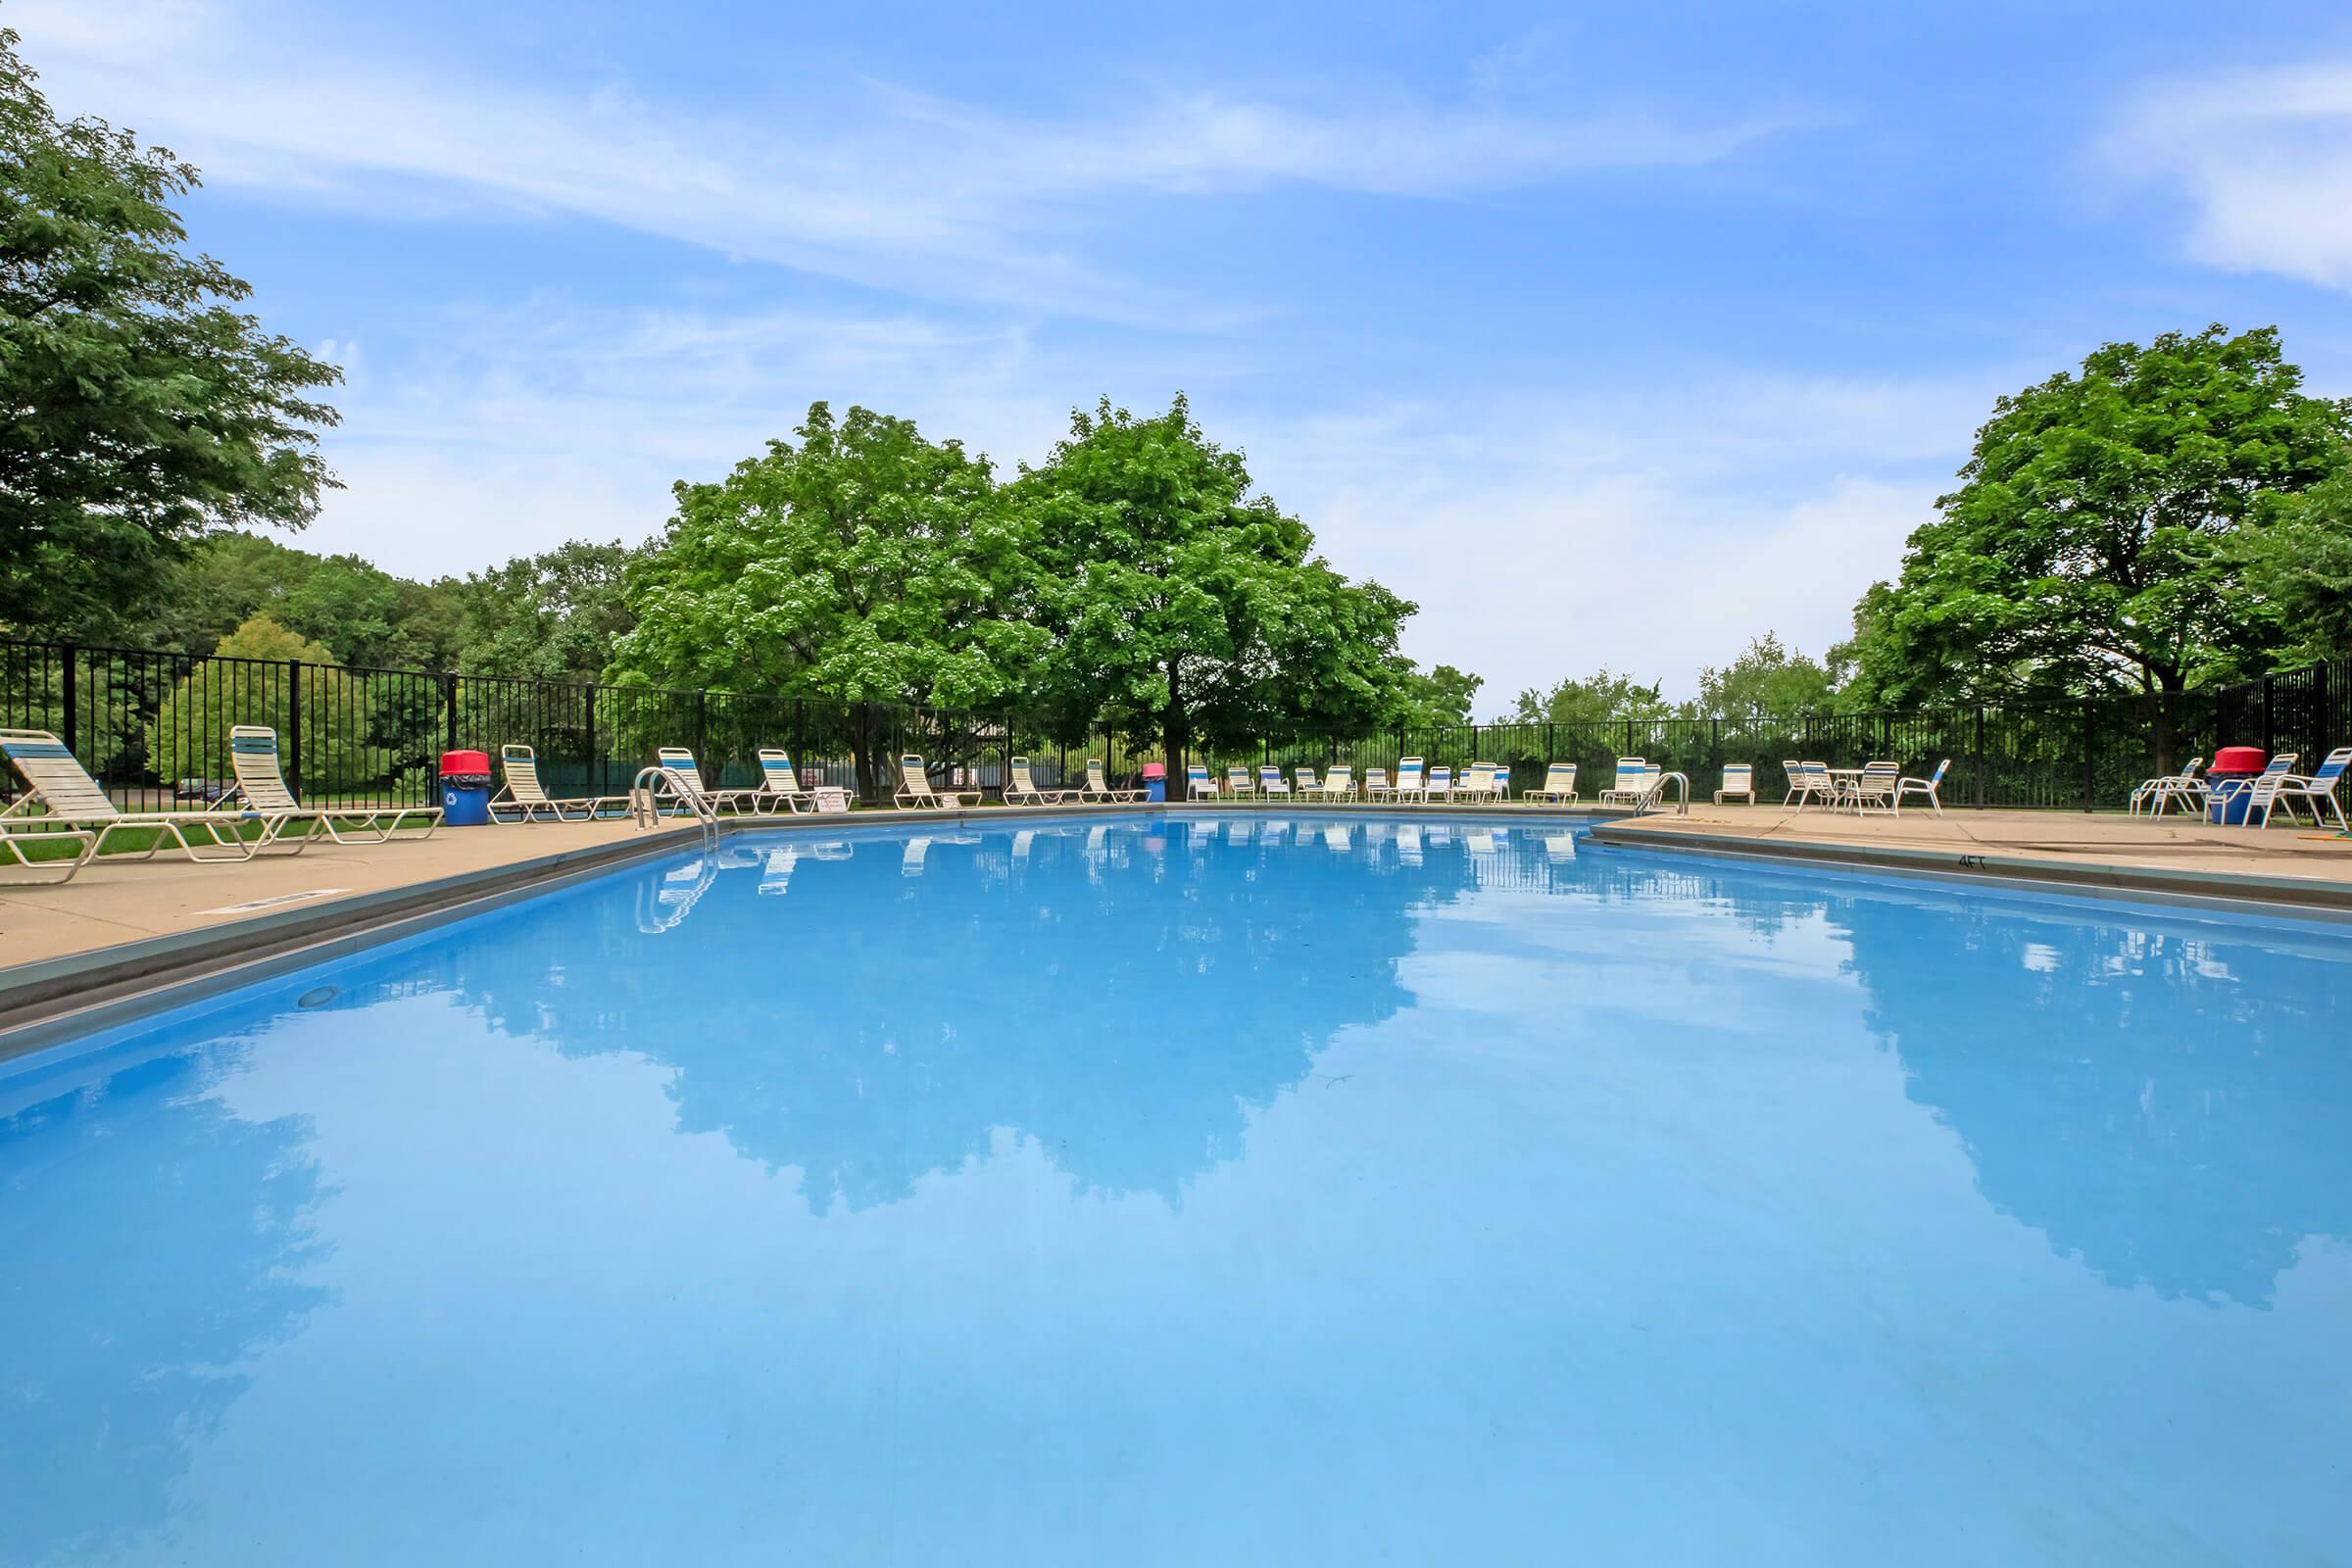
(1609, 339)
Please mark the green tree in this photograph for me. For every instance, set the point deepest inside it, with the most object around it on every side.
(1436, 696)
(189, 733)
(866, 565)
(1185, 606)
(556, 616)
(138, 409)
(1603, 695)
(2299, 561)
(2093, 542)
(1767, 681)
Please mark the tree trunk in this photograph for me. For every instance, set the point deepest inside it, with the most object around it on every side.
(1175, 733)
(2168, 718)
(861, 751)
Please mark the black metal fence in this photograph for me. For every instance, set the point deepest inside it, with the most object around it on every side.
(153, 728)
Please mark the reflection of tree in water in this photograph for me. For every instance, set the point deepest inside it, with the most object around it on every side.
(2164, 1103)
(150, 1241)
(1122, 1000)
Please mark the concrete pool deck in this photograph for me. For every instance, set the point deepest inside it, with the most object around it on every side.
(123, 929)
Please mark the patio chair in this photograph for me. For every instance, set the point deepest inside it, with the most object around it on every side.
(522, 795)
(1739, 778)
(1199, 782)
(262, 786)
(1377, 785)
(1439, 784)
(1876, 787)
(1794, 772)
(1486, 780)
(780, 785)
(914, 789)
(2153, 795)
(1412, 780)
(73, 808)
(1023, 791)
(1304, 784)
(1271, 783)
(1811, 781)
(1631, 783)
(679, 760)
(1559, 784)
(1237, 782)
(2314, 790)
(1338, 782)
(1098, 785)
(1924, 787)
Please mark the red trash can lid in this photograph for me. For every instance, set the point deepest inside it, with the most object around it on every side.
(465, 762)
(2238, 760)
(1155, 770)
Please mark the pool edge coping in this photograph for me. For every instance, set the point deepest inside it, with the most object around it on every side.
(2240, 892)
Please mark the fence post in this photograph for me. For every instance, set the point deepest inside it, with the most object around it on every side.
(2270, 726)
(702, 726)
(70, 706)
(1979, 757)
(293, 756)
(592, 766)
(449, 708)
(2090, 723)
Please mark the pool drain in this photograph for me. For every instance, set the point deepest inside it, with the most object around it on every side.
(318, 996)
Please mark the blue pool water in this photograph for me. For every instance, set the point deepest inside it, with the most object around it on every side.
(1137, 1193)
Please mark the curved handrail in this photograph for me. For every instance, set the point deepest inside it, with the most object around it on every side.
(1649, 796)
(645, 800)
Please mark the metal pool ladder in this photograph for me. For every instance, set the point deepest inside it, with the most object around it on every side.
(644, 802)
(1648, 798)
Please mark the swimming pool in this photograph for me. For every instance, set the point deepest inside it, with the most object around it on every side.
(1175, 1191)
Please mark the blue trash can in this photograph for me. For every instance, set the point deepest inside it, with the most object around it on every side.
(2228, 784)
(465, 789)
(1156, 783)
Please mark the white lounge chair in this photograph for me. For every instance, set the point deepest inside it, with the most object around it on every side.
(1237, 782)
(525, 797)
(1098, 785)
(679, 760)
(1377, 785)
(1271, 783)
(1023, 791)
(1439, 786)
(1304, 782)
(2153, 795)
(64, 804)
(915, 788)
(1739, 778)
(262, 787)
(2314, 790)
(1631, 783)
(1924, 787)
(1412, 781)
(1338, 782)
(1797, 778)
(780, 785)
(1559, 784)
(1198, 783)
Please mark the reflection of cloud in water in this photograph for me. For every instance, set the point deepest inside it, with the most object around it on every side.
(148, 1253)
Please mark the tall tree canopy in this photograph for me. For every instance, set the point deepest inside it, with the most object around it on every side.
(1768, 680)
(138, 409)
(1439, 695)
(556, 615)
(1188, 608)
(2096, 541)
(1602, 694)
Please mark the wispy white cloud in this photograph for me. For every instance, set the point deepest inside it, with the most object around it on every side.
(2265, 158)
(864, 182)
